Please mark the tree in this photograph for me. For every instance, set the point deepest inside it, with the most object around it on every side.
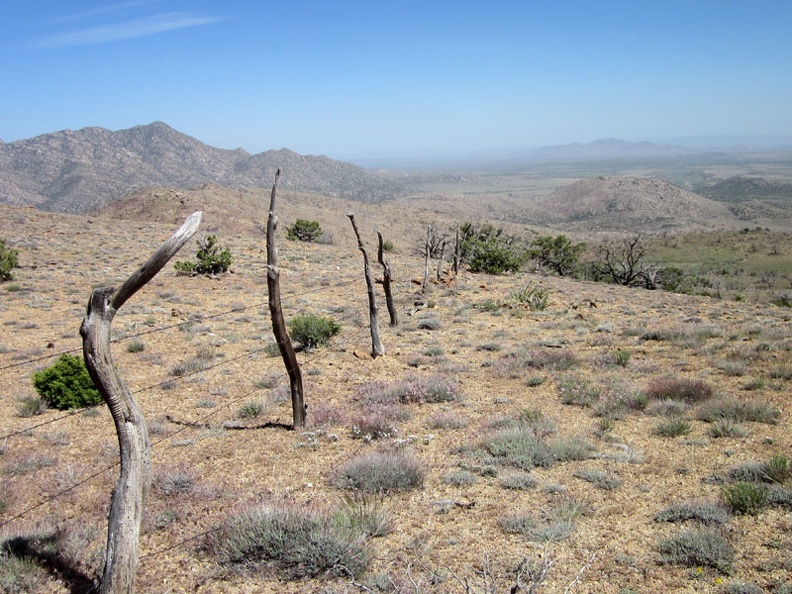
(487, 249)
(211, 259)
(622, 263)
(304, 230)
(8, 261)
(557, 253)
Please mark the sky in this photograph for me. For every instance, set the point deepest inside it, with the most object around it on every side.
(358, 78)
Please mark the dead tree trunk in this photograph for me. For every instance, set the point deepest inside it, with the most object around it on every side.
(299, 409)
(427, 251)
(126, 509)
(377, 350)
(386, 283)
(440, 260)
(457, 251)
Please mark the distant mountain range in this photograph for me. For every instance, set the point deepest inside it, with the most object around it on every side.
(79, 171)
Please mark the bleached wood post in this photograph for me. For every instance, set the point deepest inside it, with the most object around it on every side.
(386, 282)
(126, 508)
(377, 350)
(299, 409)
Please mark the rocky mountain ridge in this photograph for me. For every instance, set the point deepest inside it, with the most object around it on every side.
(80, 171)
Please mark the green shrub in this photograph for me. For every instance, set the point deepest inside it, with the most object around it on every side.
(304, 230)
(312, 331)
(380, 472)
(745, 499)
(778, 469)
(252, 409)
(293, 543)
(673, 427)
(66, 384)
(210, 258)
(495, 258)
(8, 261)
(535, 298)
(698, 547)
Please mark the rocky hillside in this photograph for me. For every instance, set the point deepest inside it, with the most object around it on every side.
(80, 171)
(625, 203)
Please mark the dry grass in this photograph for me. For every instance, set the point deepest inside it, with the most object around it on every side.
(447, 521)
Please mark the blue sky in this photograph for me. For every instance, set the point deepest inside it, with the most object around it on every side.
(350, 78)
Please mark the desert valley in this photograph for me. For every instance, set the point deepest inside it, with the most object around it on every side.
(525, 431)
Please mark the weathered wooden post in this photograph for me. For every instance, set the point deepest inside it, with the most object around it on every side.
(288, 355)
(377, 350)
(386, 283)
(126, 508)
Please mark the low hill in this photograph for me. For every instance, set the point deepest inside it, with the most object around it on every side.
(628, 203)
(78, 171)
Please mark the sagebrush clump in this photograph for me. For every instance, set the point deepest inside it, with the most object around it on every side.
(66, 384)
(312, 331)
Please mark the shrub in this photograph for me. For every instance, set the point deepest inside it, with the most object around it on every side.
(252, 409)
(30, 406)
(537, 529)
(709, 514)
(726, 428)
(376, 422)
(739, 411)
(136, 346)
(698, 547)
(673, 427)
(294, 543)
(66, 384)
(211, 259)
(777, 469)
(535, 298)
(380, 472)
(460, 478)
(745, 499)
(683, 390)
(304, 230)
(600, 478)
(565, 449)
(312, 331)
(411, 390)
(518, 481)
(519, 447)
(8, 261)
(364, 513)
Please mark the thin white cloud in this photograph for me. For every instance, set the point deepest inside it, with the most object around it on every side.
(105, 10)
(131, 29)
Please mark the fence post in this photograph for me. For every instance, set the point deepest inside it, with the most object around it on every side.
(126, 508)
(299, 409)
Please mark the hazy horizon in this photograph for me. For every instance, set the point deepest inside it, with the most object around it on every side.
(400, 77)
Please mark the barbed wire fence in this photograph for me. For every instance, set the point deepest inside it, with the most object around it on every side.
(312, 358)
